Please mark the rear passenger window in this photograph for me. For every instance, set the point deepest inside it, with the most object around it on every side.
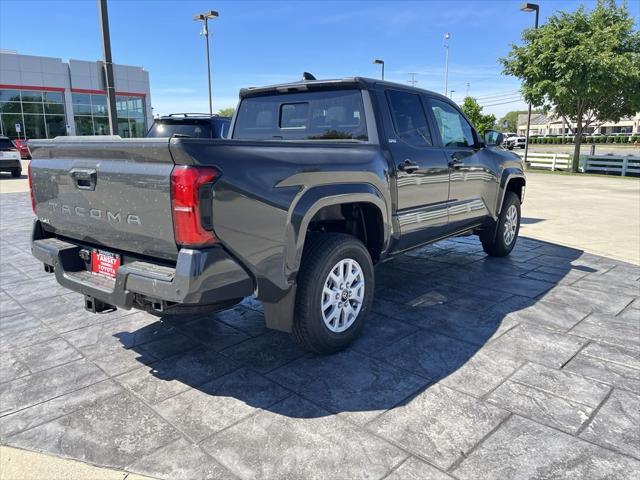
(454, 129)
(409, 118)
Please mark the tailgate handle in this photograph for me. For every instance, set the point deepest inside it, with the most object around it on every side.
(84, 178)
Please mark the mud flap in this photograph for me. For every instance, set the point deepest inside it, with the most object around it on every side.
(279, 315)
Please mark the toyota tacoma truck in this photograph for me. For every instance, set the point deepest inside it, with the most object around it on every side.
(317, 182)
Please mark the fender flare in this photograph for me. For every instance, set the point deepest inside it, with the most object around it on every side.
(279, 314)
(508, 174)
(311, 201)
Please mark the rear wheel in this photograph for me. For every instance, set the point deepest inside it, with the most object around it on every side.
(500, 240)
(16, 172)
(335, 292)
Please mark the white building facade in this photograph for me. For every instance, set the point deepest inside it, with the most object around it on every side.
(44, 97)
(542, 124)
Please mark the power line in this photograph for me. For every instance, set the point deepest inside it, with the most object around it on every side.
(503, 94)
(503, 103)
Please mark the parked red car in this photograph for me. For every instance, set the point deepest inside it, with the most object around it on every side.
(23, 148)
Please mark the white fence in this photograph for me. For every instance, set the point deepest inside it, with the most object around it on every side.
(622, 165)
(618, 164)
(552, 161)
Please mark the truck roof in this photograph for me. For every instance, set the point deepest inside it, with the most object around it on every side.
(358, 82)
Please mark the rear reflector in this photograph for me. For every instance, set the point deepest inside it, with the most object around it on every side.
(33, 198)
(191, 197)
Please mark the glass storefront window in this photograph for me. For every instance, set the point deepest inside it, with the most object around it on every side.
(8, 124)
(82, 109)
(34, 126)
(9, 95)
(56, 125)
(32, 108)
(41, 114)
(54, 108)
(10, 107)
(84, 125)
(101, 125)
(54, 97)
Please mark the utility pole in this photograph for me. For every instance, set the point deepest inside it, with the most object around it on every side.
(413, 80)
(108, 67)
(468, 85)
(447, 36)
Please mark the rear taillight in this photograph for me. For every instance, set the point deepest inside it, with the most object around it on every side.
(33, 197)
(191, 205)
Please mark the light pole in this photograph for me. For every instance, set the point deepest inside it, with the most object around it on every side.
(452, 92)
(447, 36)
(108, 67)
(205, 17)
(377, 61)
(529, 7)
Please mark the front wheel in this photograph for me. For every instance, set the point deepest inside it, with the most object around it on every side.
(16, 173)
(334, 294)
(500, 240)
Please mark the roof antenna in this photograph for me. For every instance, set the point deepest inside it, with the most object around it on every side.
(307, 76)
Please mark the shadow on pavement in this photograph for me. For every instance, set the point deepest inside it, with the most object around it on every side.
(435, 309)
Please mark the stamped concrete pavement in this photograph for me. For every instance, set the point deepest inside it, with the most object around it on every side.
(469, 367)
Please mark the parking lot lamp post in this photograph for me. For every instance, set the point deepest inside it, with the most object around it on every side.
(380, 62)
(529, 7)
(108, 67)
(205, 17)
(447, 36)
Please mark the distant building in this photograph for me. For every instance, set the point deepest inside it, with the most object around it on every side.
(542, 124)
(43, 97)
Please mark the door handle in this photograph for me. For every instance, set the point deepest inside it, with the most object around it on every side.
(455, 162)
(84, 178)
(408, 166)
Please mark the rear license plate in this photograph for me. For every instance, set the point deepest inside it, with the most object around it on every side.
(105, 263)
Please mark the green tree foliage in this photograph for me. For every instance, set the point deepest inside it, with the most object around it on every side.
(226, 112)
(473, 111)
(583, 65)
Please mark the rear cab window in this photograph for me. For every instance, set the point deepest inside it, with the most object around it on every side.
(321, 115)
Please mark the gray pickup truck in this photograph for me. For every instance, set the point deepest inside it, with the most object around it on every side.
(317, 182)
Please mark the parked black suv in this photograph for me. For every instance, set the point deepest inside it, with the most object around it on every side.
(194, 125)
(319, 181)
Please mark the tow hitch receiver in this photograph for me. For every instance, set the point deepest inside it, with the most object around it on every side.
(94, 305)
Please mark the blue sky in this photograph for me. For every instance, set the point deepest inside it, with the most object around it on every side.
(263, 42)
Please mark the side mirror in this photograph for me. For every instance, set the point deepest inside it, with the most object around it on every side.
(493, 138)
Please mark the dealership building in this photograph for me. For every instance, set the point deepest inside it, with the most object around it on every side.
(43, 97)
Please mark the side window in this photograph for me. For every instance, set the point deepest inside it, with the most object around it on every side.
(409, 118)
(454, 129)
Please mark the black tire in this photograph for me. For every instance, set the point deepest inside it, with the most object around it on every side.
(16, 172)
(322, 253)
(494, 240)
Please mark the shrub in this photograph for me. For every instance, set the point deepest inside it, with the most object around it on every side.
(611, 139)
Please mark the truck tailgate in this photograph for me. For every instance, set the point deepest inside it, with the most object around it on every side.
(106, 191)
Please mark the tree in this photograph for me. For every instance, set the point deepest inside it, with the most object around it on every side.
(584, 66)
(226, 112)
(473, 111)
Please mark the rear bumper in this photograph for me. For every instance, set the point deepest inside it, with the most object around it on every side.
(206, 276)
